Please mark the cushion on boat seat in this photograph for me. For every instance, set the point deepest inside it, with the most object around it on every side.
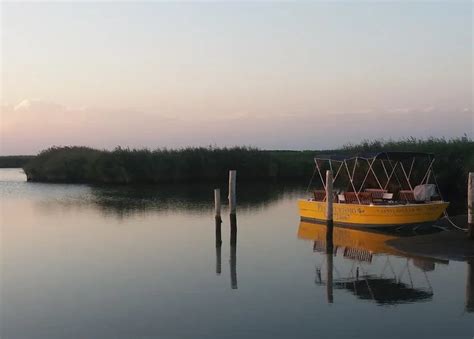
(424, 192)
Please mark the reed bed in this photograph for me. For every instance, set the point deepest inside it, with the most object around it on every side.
(455, 158)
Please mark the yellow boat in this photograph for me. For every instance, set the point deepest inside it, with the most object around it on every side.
(362, 206)
(373, 215)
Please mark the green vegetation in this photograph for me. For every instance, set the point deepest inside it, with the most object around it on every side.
(455, 158)
(14, 161)
(123, 166)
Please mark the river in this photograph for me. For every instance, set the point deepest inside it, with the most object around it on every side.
(81, 261)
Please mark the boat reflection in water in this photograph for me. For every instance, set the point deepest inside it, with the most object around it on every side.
(360, 262)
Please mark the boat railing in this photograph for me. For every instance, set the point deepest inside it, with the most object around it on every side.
(371, 196)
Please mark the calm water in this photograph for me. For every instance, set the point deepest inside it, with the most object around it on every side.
(119, 262)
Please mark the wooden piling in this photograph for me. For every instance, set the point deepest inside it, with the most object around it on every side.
(329, 236)
(470, 206)
(232, 191)
(233, 228)
(329, 196)
(217, 204)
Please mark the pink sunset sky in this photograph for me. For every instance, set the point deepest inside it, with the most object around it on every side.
(271, 75)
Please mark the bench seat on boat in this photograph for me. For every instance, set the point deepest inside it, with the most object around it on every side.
(363, 197)
(319, 195)
(377, 193)
(406, 195)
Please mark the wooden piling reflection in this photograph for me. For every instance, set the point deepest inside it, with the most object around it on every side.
(217, 204)
(233, 251)
(218, 245)
(470, 286)
(329, 260)
(470, 206)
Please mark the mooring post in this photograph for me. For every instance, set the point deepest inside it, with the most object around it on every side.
(232, 191)
(470, 206)
(329, 196)
(233, 228)
(217, 204)
(329, 236)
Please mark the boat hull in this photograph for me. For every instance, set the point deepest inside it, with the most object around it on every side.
(373, 215)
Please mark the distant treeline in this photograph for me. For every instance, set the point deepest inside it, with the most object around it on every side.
(14, 161)
(455, 158)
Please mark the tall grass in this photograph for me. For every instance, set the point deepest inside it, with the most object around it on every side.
(455, 158)
(82, 164)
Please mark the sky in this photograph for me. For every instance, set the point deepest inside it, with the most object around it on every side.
(274, 75)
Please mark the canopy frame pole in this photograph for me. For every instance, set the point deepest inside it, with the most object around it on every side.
(428, 177)
(332, 181)
(354, 168)
(391, 174)
(386, 173)
(375, 175)
(396, 176)
(337, 173)
(411, 168)
(427, 172)
(406, 177)
(311, 181)
(367, 174)
(351, 180)
(320, 175)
